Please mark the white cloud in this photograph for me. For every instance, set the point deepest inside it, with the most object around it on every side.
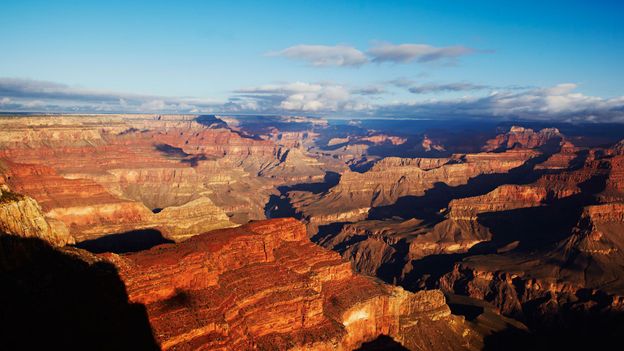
(561, 102)
(324, 55)
(153, 105)
(555, 103)
(297, 96)
(34, 95)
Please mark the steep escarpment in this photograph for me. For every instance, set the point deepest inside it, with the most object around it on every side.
(590, 253)
(63, 298)
(520, 137)
(112, 174)
(567, 280)
(445, 224)
(393, 178)
(582, 273)
(85, 210)
(22, 216)
(283, 293)
(385, 248)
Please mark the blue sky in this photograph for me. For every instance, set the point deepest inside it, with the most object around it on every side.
(529, 59)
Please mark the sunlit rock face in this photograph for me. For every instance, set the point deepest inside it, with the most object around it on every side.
(180, 174)
(22, 216)
(520, 137)
(265, 286)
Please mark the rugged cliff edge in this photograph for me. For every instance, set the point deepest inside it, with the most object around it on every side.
(393, 178)
(265, 286)
(22, 216)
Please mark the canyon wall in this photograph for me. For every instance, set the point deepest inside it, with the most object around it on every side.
(284, 293)
(179, 174)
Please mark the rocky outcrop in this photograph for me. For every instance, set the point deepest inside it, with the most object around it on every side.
(565, 158)
(429, 145)
(503, 198)
(383, 139)
(580, 275)
(22, 216)
(284, 293)
(337, 141)
(393, 178)
(396, 249)
(520, 137)
(299, 167)
(384, 248)
(197, 216)
(85, 209)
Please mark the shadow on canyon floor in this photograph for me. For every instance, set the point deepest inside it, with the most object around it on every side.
(278, 206)
(54, 300)
(132, 241)
(330, 180)
(529, 229)
(556, 330)
(578, 333)
(428, 205)
(382, 343)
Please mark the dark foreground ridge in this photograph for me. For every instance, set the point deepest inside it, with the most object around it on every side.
(56, 300)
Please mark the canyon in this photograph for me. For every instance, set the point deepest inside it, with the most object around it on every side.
(298, 233)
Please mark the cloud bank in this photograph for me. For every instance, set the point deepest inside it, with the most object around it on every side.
(558, 103)
(43, 96)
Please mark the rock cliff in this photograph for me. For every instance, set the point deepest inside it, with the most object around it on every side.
(393, 178)
(520, 137)
(180, 174)
(22, 216)
(284, 293)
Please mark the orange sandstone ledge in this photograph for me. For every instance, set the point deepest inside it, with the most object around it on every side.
(265, 286)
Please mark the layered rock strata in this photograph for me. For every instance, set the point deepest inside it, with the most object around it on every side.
(393, 178)
(284, 293)
(520, 137)
(111, 174)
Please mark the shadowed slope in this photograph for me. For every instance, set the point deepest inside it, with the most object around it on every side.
(65, 299)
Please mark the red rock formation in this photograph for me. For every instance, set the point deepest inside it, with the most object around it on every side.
(283, 293)
(392, 178)
(387, 247)
(383, 138)
(582, 273)
(22, 216)
(371, 245)
(523, 138)
(299, 167)
(103, 174)
(503, 198)
(562, 159)
(88, 210)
